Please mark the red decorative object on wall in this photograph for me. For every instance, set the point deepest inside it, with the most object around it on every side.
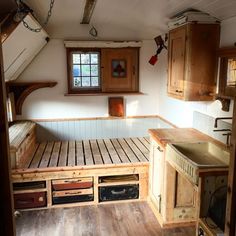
(116, 106)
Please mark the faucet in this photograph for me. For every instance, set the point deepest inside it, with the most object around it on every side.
(221, 118)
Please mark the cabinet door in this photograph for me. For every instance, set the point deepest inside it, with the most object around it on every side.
(120, 70)
(177, 47)
(156, 175)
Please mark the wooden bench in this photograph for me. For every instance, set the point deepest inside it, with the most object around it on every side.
(22, 138)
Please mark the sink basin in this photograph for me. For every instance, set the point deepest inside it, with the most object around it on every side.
(190, 157)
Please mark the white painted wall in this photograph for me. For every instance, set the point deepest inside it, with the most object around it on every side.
(50, 65)
(181, 113)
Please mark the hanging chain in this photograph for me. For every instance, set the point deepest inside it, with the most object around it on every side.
(37, 30)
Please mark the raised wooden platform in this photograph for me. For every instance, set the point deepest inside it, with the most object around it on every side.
(123, 160)
(88, 152)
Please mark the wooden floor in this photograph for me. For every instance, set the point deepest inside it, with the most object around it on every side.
(89, 152)
(125, 219)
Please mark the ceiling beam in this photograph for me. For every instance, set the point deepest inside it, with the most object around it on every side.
(88, 11)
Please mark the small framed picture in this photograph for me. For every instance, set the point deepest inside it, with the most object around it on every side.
(119, 68)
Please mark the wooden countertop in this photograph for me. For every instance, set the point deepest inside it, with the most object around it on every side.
(164, 136)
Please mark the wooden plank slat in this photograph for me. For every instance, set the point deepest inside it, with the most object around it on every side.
(71, 154)
(147, 139)
(114, 157)
(30, 158)
(105, 155)
(63, 154)
(79, 153)
(38, 155)
(128, 151)
(55, 154)
(145, 142)
(136, 151)
(141, 147)
(96, 153)
(46, 155)
(88, 154)
(120, 151)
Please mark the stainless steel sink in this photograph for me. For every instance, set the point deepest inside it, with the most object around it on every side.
(190, 157)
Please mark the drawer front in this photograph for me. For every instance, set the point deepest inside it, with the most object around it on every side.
(30, 200)
(120, 192)
(77, 183)
(72, 192)
(72, 199)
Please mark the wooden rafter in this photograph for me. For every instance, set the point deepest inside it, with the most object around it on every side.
(88, 11)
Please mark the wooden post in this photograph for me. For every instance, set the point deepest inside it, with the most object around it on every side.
(7, 222)
(230, 229)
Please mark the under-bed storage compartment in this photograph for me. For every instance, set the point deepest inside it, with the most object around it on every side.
(30, 200)
(72, 190)
(30, 194)
(118, 187)
(118, 192)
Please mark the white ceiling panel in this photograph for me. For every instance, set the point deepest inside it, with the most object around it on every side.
(122, 19)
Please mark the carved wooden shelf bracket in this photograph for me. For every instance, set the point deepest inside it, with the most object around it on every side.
(22, 89)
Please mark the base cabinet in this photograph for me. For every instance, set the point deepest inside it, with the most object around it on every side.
(156, 174)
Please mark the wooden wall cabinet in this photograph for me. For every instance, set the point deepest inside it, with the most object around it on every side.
(119, 69)
(192, 61)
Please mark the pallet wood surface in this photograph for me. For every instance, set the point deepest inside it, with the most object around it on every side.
(88, 153)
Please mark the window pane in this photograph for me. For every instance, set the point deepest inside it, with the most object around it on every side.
(85, 59)
(85, 70)
(94, 81)
(77, 82)
(94, 58)
(86, 81)
(94, 70)
(76, 58)
(76, 70)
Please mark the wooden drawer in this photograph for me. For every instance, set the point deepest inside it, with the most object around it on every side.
(30, 200)
(72, 192)
(75, 183)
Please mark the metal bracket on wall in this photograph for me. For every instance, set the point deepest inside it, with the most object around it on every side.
(225, 102)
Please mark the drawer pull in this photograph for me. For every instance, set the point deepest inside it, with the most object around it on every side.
(72, 181)
(26, 201)
(118, 192)
(40, 199)
(178, 91)
(73, 193)
(27, 135)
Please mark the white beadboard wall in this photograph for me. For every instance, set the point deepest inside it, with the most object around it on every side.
(97, 129)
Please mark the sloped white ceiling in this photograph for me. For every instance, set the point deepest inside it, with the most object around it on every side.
(122, 19)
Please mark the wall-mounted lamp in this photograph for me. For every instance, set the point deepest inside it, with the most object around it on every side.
(160, 45)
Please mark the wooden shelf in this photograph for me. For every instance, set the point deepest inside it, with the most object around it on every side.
(22, 89)
(104, 94)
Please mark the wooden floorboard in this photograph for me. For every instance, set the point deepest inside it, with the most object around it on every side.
(123, 219)
(89, 152)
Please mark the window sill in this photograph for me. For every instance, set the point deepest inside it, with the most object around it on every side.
(104, 94)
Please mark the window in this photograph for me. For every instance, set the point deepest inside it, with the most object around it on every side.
(102, 70)
(84, 71)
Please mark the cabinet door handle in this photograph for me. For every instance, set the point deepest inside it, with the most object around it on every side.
(159, 149)
(178, 91)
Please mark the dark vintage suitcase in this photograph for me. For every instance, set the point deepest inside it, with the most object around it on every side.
(71, 199)
(119, 192)
(75, 183)
(30, 200)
